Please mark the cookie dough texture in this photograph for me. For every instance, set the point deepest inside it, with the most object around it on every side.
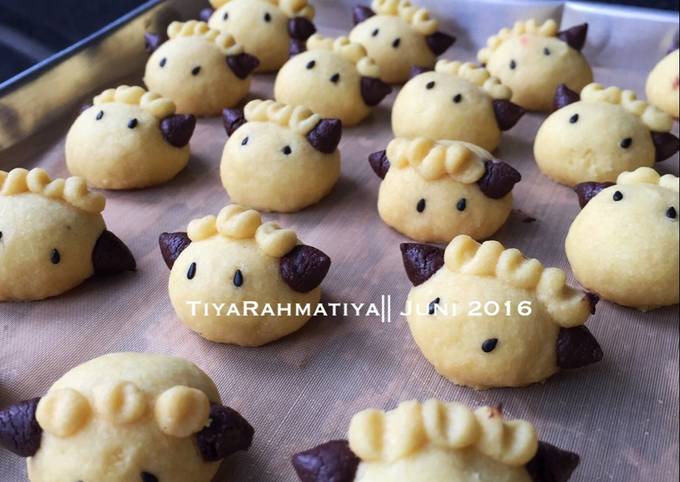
(269, 163)
(533, 61)
(623, 245)
(125, 417)
(608, 132)
(117, 143)
(663, 84)
(192, 69)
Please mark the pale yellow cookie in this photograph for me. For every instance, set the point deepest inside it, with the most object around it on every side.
(663, 84)
(233, 277)
(281, 158)
(533, 59)
(52, 236)
(129, 139)
(202, 70)
(623, 245)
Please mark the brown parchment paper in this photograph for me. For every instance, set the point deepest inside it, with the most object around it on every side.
(621, 415)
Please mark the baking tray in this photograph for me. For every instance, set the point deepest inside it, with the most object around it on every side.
(621, 415)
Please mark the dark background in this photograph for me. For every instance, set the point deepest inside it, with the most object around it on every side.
(31, 30)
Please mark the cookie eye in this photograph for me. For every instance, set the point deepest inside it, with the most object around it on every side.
(618, 195)
(335, 78)
(267, 17)
(489, 345)
(225, 17)
(0, 235)
(148, 477)
(311, 64)
(433, 305)
(238, 278)
(457, 99)
(375, 32)
(626, 143)
(430, 85)
(55, 257)
(574, 119)
(670, 213)
(244, 141)
(420, 207)
(396, 43)
(513, 65)
(461, 204)
(287, 150)
(100, 114)
(133, 123)
(163, 62)
(191, 272)
(196, 70)
(546, 51)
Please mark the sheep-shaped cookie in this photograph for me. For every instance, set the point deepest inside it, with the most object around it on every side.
(433, 191)
(600, 134)
(533, 59)
(237, 280)
(53, 236)
(271, 30)
(458, 101)
(201, 69)
(398, 36)
(152, 142)
(126, 417)
(486, 316)
(623, 245)
(279, 157)
(437, 442)
(334, 78)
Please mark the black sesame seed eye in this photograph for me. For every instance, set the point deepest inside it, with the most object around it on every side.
(618, 195)
(147, 477)
(267, 17)
(55, 257)
(458, 98)
(244, 141)
(396, 43)
(196, 70)
(335, 78)
(513, 65)
(430, 85)
(100, 114)
(133, 123)
(0, 234)
(546, 51)
(163, 62)
(375, 32)
(489, 345)
(670, 212)
(433, 305)
(461, 204)
(420, 207)
(626, 143)
(574, 119)
(287, 150)
(225, 17)
(192, 271)
(311, 64)
(238, 278)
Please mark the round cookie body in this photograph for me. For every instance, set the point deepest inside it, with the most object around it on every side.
(663, 84)
(592, 141)
(430, 211)
(195, 75)
(102, 147)
(441, 106)
(271, 168)
(45, 246)
(534, 66)
(626, 251)
(104, 452)
(212, 281)
(454, 338)
(394, 45)
(306, 80)
(260, 26)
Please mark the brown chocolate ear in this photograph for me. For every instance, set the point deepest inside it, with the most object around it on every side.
(111, 255)
(227, 433)
(330, 462)
(575, 36)
(564, 96)
(84, 107)
(499, 179)
(374, 90)
(232, 120)
(439, 42)
(172, 245)
(19, 430)
(551, 464)
(177, 129)
(361, 13)
(152, 41)
(304, 268)
(296, 47)
(576, 348)
(421, 261)
(666, 145)
(242, 65)
(507, 113)
(380, 163)
(416, 70)
(326, 136)
(588, 190)
(301, 28)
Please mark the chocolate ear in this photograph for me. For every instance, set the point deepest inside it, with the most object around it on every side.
(564, 96)
(374, 90)
(19, 430)
(242, 65)
(177, 129)
(588, 190)
(666, 145)
(296, 47)
(361, 13)
(576, 348)
(551, 464)
(172, 245)
(326, 136)
(227, 433)
(575, 36)
(499, 179)
(301, 28)
(304, 268)
(232, 120)
(507, 114)
(206, 13)
(416, 70)
(152, 41)
(330, 462)
(421, 261)
(111, 255)
(439, 42)
(84, 107)
(380, 163)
